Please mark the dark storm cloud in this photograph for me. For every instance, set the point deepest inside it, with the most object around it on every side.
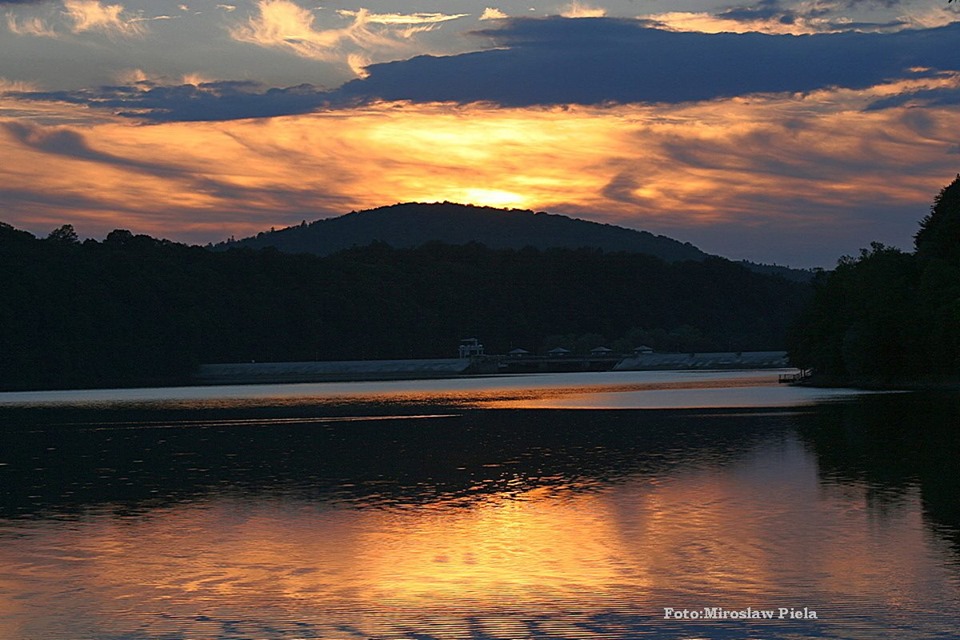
(3, 2)
(924, 97)
(69, 143)
(767, 10)
(776, 10)
(595, 61)
(73, 144)
(207, 101)
(853, 4)
(555, 61)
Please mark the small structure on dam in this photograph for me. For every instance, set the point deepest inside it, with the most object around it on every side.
(473, 361)
(651, 361)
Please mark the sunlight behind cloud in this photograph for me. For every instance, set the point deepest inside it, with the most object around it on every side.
(492, 198)
(806, 166)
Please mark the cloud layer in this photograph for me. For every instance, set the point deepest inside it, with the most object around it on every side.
(770, 178)
(79, 16)
(795, 145)
(594, 61)
(557, 61)
(213, 100)
(286, 25)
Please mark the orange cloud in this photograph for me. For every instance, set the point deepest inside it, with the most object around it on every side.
(804, 166)
(32, 26)
(798, 23)
(703, 22)
(92, 15)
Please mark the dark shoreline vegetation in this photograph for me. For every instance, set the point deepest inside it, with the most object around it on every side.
(889, 319)
(134, 310)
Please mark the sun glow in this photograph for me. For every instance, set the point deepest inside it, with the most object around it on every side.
(493, 198)
(669, 170)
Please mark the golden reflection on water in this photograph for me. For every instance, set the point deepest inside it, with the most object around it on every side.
(575, 390)
(517, 550)
(756, 533)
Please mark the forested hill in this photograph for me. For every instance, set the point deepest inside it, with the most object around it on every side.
(890, 317)
(136, 310)
(413, 224)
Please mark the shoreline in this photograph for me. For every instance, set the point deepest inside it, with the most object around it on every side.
(948, 383)
(370, 371)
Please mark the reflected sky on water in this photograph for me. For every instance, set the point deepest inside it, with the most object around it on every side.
(476, 516)
(620, 389)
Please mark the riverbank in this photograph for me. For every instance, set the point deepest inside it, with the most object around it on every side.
(425, 369)
(437, 368)
(337, 371)
(933, 383)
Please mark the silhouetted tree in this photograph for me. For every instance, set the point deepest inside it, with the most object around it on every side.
(939, 234)
(136, 310)
(65, 234)
(888, 314)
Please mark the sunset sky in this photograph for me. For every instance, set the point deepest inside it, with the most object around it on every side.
(778, 131)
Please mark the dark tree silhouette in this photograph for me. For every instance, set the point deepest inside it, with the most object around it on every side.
(889, 315)
(135, 310)
(939, 234)
(65, 234)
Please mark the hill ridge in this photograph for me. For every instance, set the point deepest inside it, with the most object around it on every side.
(411, 224)
(408, 225)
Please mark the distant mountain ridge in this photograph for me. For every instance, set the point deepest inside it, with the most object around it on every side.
(413, 224)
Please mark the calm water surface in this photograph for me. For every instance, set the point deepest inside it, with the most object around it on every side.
(556, 506)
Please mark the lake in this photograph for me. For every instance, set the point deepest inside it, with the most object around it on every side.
(677, 505)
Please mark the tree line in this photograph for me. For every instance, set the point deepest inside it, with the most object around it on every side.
(131, 309)
(889, 315)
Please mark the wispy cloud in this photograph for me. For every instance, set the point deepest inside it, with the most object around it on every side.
(15, 86)
(92, 15)
(399, 18)
(80, 16)
(936, 89)
(30, 26)
(367, 36)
